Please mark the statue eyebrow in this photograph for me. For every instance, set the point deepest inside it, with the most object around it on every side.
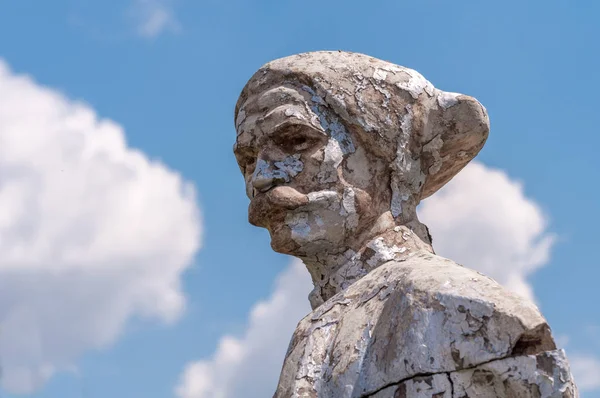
(273, 124)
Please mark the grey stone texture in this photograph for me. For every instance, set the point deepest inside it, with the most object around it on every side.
(337, 149)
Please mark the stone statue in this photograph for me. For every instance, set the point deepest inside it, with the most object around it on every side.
(337, 149)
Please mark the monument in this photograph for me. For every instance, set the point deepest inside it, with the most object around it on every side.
(337, 149)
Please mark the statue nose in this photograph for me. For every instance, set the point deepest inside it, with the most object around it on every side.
(263, 176)
(262, 183)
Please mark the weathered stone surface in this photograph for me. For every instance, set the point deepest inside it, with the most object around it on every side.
(337, 149)
(545, 375)
(421, 316)
(432, 386)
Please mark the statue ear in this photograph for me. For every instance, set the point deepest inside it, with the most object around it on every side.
(458, 128)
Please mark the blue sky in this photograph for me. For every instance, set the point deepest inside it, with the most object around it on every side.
(169, 73)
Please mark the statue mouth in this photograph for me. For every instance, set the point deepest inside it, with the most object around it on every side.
(273, 204)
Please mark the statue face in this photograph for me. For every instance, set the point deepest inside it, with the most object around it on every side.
(336, 146)
(294, 155)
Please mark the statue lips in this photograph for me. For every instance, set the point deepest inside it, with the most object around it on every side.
(273, 204)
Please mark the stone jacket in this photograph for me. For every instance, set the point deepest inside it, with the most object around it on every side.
(424, 327)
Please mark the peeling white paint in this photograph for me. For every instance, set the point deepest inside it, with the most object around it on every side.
(332, 159)
(383, 252)
(331, 124)
(324, 199)
(336, 130)
(407, 178)
(266, 173)
(357, 165)
(294, 112)
(434, 147)
(349, 208)
(299, 225)
(416, 84)
(379, 74)
(386, 99)
(360, 85)
(347, 274)
(446, 99)
(291, 166)
(406, 126)
(313, 221)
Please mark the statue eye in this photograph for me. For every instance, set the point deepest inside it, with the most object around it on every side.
(295, 139)
(298, 142)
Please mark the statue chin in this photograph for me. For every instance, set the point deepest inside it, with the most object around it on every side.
(281, 241)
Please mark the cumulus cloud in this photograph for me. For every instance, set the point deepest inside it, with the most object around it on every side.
(249, 366)
(586, 371)
(481, 218)
(92, 233)
(154, 17)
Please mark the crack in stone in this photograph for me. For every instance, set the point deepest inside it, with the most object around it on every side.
(370, 394)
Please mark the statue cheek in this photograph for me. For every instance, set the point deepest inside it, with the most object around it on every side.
(357, 169)
(332, 158)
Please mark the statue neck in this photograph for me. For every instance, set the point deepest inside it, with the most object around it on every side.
(334, 273)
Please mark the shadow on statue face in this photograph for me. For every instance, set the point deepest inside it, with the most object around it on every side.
(298, 176)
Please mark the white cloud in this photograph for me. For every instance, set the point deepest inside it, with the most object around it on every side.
(92, 233)
(249, 366)
(154, 17)
(481, 218)
(586, 371)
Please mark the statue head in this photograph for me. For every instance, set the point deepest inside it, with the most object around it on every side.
(339, 147)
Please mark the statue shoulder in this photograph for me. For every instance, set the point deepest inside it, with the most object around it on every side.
(428, 278)
(439, 316)
(423, 315)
